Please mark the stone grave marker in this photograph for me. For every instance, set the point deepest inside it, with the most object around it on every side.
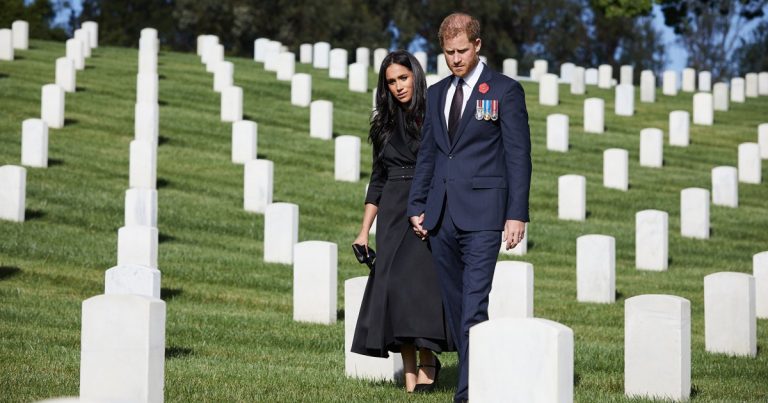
(760, 272)
(147, 88)
(141, 207)
(52, 106)
(321, 119)
(66, 75)
(6, 44)
(578, 86)
(305, 53)
(321, 55)
(314, 282)
(703, 109)
(730, 321)
(737, 90)
(132, 280)
(281, 232)
(338, 64)
(694, 213)
(301, 89)
(347, 158)
(705, 81)
(20, 33)
(358, 77)
(258, 184)
(509, 67)
(548, 90)
(749, 163)
(244, 141)
(725, 186)
(616, 169)
(223, 76)
(626, 75)
(511, 291)
(591, 76)
(557, 132)
(689, 80)
(751, 85)
(137, 245)
(231, 104)
(720, 95)
(34, 143)
(594, 115)
(143, 165)
(596, 269)
(604, 76)
(647, 86)
(75, 52)
(566, 72)
(669, 83)
(652, 240)
(363, 56)
(572, 197)
(13, 192)
(286, 66)
(378, 56)
(762, 140)
(651, 148)
(624, 100)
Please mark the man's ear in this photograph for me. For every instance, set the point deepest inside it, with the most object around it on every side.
(478, 43)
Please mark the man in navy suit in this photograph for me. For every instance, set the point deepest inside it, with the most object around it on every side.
(472, 178)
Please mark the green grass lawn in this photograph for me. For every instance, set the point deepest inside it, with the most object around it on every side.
(230, 334)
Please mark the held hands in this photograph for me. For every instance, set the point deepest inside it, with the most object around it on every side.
(514, 231)
(416, 222)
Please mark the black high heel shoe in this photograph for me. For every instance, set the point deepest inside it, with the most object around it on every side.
(429, 387)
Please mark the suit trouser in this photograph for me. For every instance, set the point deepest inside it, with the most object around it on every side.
(465, 262)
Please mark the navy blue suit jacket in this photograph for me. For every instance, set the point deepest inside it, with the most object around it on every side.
(486, 171)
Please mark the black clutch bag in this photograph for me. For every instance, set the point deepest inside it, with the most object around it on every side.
(368, 257)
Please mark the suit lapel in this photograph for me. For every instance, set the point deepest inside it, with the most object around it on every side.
(469, 109)
(441, 111)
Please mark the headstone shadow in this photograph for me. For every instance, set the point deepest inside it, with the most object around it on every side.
(340, 314)
(30, 214)
(694, 391)
(576, 379)
(162, 103)
(81, 89)
(162, 140)
(531, 245)
(162, 183)
(161, 77)
(261, 156)
(3, 75)
(52, 162)
(167, 294)
(164, 238)
(69, 122)
(89, 67)
(8, 272)
(177, 352)
(247, 117)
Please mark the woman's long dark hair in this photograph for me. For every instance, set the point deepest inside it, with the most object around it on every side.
(384, 117)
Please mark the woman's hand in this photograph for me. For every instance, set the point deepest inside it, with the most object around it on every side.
(362, 239)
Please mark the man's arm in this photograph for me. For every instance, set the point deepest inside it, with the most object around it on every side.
(422, 176)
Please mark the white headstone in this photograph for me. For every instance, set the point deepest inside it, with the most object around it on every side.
(679, 128)
(286, 66)
(92, 28)
(314, 282)
(150, 34)
(705, 81)
(52, 106)
(652, 240)
(720, 95)
(572, 197)
(272, 52)
(657, 347)
(694, 213)
(83, 36)
(689, 80)
(146, 122)
(358, 77)
(20, 33)
(258, 183)
(281, 232)
(762, 139)
(647, 86)
(625, 100)
(651, 148)
(379, 54)
(301, 89)
(737, 90)
(305, 53)
(76, 52)
(591, 76)
(566, 72)
(760, 272)
(34, 143)
(578, 86)
(548, 90)
(141, 207)
(616, 169)
(207, 45)
(604, 76)
(557, 132)
(762, 83)
(13, 192)
(422, 58)
(338, 64)
(540, 67)
(223, 76)
(260, 49)
(363, 56)
(143, 165)
(6, 44)
(669, 83)
(321, 119)
(347, 158)
(66, 75)
(122, 353)
(137, 245)
(521, 249)
(750, 85)
(626, 75)
(320, 55)
(725, 186)
(357, 365)
(432, 79)
(730, 322)
(511, 291)
(509, 67)
(594, 115)
(244, 141)
(596, 268)
(132, 279)
(214, 55)
(442, 66)
(147, 88)
(231, 104)
(521, 360)
(703, 109)
(749, 163)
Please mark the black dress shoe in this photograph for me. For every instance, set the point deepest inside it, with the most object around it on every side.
(429, 387)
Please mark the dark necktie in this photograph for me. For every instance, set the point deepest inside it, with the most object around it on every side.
(454, 115)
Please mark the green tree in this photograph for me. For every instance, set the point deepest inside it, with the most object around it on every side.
(752, 55)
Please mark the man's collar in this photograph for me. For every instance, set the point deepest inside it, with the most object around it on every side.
(473, 76)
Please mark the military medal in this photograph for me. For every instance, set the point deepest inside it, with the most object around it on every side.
(487, 109)
(495, 110)
(479, 109)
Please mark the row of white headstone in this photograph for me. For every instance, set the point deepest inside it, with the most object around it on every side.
(16, 38)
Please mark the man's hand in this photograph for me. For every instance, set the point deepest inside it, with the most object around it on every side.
(514, 231)
(416, 222)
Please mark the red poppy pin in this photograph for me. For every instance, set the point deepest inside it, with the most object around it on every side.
(484, 88)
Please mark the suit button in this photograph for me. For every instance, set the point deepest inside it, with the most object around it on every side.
(450, 157)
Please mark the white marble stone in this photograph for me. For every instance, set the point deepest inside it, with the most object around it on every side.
(647, 86)
(150, 36)
(432, 79)
(760, 273)
(591, 76)
(694, 213)
(566, 72)
(521, 360)
(669, 83)
(147, 88)
(271, 54)
(363, 56)
(75, 51)
(281, 232)
(762, 83)
(749, 163)
(305, 53)
(92, 28)
(738, 90)
(751, 85)
(594, 115)
(286, 66)
(679, 128)
(626, 75)
(703, 109)
(596, 268)
(258, 185)
(122, 349)
(321, 55)
(321, 119)
(213, 56)
(360, 366)
(20, 33)
(509, 67)
(260, 49)
(652, 240)
(511, 291)
(720, 95)
(725, 186)
(244, 141)
(337, 67)
(52, 106)
(34, 143)
(557, 132)
(132, 279)
(689, 80)
(548, 90)
(442, 66)
(314, 282)
(347, 158)
(223, 75)
(624, 100)
(540, 67)
(379, 54)
(521, 249)
(762, 139)
(657, 347)
(146, 123)
(578, 86)
(83, 37)
(604, 76)
(6, 44)
(137, 245)
(143, 165)
(358, 77)
(705, 81)
(301, 89)
(203, 41)
(651, 148)
(572, 197)
(422, 58)
(13, 192)
(730, 322)
(141, 207)
(616, 169)
(66, 75)
(231, 104)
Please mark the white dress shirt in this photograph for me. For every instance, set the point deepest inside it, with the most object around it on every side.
(469, 84)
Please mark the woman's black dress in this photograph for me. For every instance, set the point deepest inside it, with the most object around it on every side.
(402, 302)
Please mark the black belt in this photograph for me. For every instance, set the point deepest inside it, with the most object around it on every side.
(400, 173)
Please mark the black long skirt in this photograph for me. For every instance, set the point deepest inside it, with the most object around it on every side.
(402, 303)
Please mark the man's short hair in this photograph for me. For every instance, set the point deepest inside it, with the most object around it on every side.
(456, 24)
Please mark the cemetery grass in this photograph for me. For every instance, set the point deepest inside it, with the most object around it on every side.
(230, 334)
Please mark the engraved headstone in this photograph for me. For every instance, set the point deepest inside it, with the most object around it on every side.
(281, 232)
(703, 109)
(669, 83)
(578, 86)
(616, 169)
(258, 184)
(572, 197)
(557, 132)
(315, 266)
(338, 64)
(652, 240)
(34, 143)
(321, 119)
(596, 268)
(725, 186)
(694, 213)
(604, 76)
(730, 321)
(511, 291)
(320, 55)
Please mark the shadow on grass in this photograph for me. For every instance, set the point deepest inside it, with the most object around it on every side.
(30, 214)
(694, 391)
(576, 379)
(3, 75)
(52, 162)
(161, 77)
(162, 103)
(17, 57)
(261, 156)
(177, 352)
(162, 140)
(69, 122)
(163, 183)
(531, 245)
(340, 314)
(81, 89)
(89, 67)
(247, 117)
(164, 238)
(167, 294)
(619, 295)
(8, 272)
